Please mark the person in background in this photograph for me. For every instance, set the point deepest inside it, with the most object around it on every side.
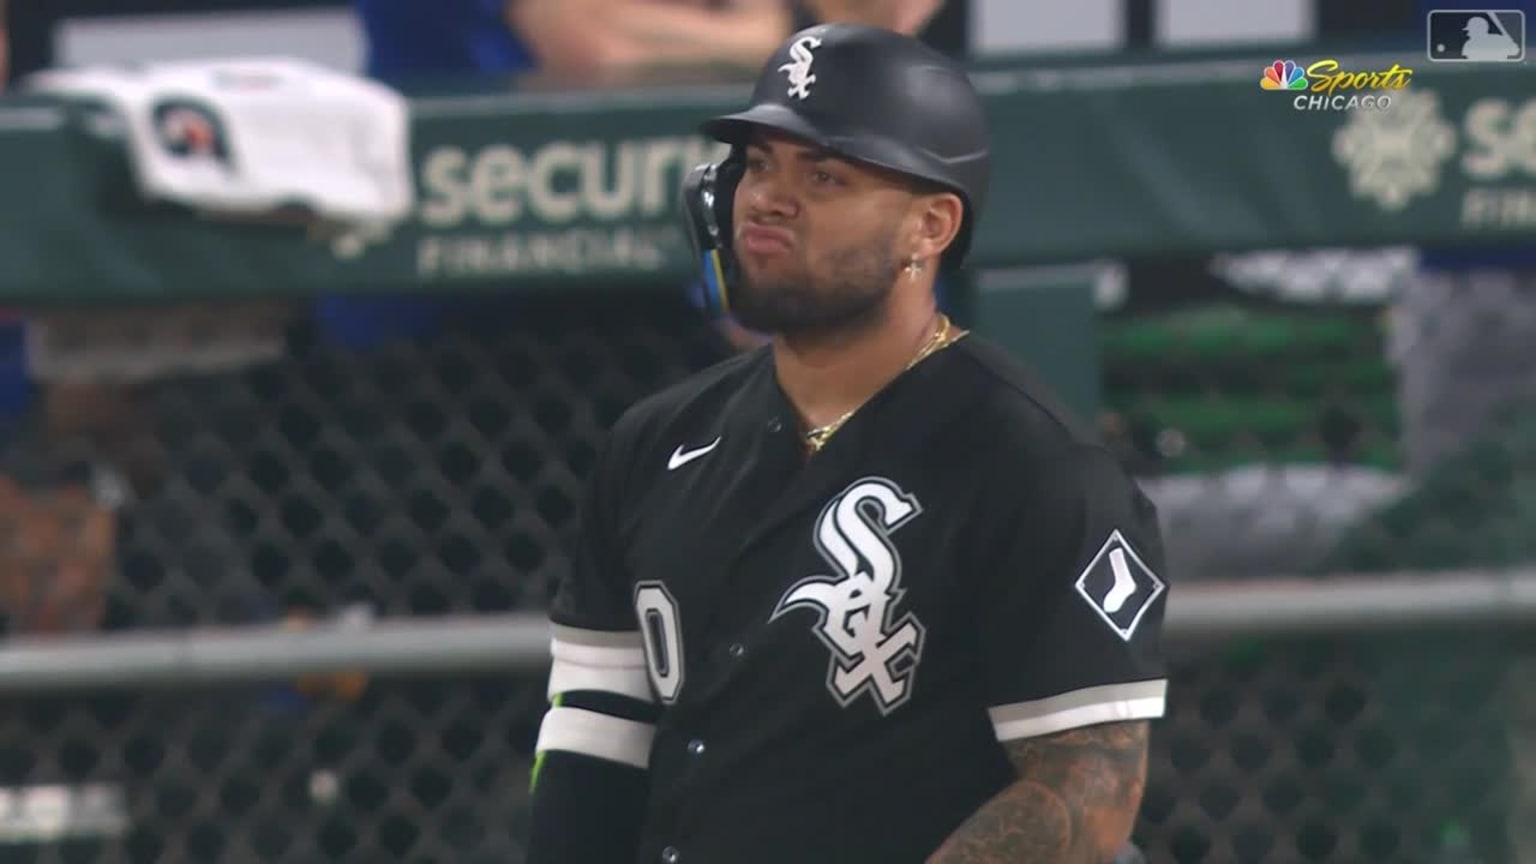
(903, 16)
(97, 536)
(943, 25)
(410, 39)
(413, 41)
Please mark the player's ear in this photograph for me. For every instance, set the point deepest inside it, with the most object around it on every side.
(937, 218)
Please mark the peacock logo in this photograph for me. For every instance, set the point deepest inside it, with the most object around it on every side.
(1284, 75)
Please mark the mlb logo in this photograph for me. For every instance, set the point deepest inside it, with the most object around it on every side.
(1119, 586)
(1476, 36)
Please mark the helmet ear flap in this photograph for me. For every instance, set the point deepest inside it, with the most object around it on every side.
(709, 196)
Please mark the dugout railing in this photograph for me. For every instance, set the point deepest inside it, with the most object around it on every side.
(1272, 752)
(1353, 722)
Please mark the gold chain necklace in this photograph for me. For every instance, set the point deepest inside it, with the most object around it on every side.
(943, 336)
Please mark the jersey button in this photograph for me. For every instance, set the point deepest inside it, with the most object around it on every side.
(670, 855)
(696, 747)
(736, 650)
(775, 425)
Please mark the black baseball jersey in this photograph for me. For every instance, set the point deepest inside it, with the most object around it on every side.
(839, 643)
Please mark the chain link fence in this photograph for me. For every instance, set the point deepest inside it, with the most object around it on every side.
(438, 474)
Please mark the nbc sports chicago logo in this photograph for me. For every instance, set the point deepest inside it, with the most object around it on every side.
(1325, 86)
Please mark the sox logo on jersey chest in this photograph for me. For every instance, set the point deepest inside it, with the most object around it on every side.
(875, 650)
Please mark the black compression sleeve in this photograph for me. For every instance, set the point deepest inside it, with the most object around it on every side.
(586, 811)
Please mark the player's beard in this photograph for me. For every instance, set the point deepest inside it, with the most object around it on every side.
(851, 291)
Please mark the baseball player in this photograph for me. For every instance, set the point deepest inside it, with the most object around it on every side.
(865, 594)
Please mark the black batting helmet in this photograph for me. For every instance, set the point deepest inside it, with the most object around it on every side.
(866, 94)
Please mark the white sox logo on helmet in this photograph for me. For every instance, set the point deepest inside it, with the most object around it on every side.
(874, 650)
(798, 69)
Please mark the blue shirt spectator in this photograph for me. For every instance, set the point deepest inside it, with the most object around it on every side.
(446, 37)
(417, 40)
(409, 40)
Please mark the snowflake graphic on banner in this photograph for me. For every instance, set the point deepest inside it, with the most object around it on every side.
(1396, 154)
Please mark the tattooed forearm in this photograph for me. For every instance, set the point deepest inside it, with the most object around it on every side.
(1075, 801)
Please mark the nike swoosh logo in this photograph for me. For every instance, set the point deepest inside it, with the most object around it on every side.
(681, 457)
